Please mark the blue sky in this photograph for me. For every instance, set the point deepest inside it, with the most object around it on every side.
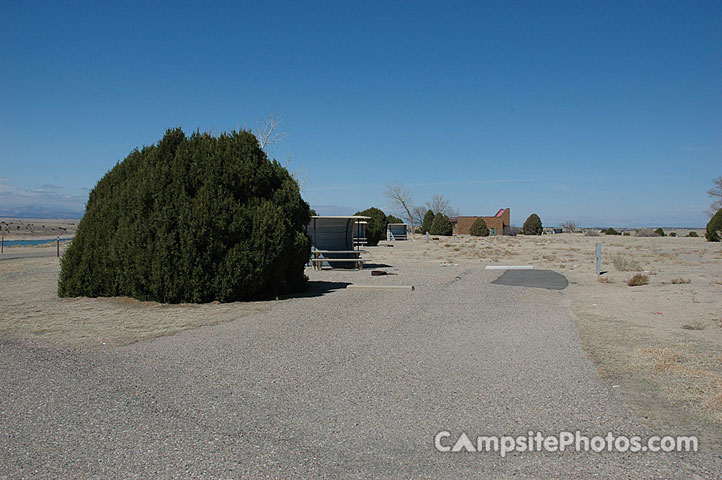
(608, 113)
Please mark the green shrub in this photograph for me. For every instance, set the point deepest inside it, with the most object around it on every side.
(376, 226)
(714, 227)
(673, 234)
(611, 231)
(693, 234)
(441, 225)
(479, 228)
(428, 220)
(532, 225)
(191, 219)
(659, 232)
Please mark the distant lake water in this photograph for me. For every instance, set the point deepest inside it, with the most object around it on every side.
(40, 241)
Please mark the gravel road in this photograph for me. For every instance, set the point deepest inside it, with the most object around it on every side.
(336, 384)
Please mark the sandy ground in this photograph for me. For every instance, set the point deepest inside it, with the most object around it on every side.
(26, 228)
(658, 345)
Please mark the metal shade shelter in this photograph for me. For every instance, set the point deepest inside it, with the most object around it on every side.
(334, 237)
(359, 233)
(396, 231)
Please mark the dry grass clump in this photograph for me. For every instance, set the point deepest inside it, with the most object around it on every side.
(695, 325)
(591, 233)
(664, 358)
(646, 232)
(680, 281)
(603, 279)
(637, 280)
(625, 264)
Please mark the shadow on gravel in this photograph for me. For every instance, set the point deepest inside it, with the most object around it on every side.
(533, 278)
(376, 265)
(318, 288)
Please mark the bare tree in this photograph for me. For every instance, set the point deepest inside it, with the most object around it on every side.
(418, 213)
(268, 131)
(438, 204)
(716, 194)
(570, 225)
(402, 200)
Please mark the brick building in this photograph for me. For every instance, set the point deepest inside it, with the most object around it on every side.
(496, 223)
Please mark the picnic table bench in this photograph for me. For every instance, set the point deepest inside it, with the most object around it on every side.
(352, 257)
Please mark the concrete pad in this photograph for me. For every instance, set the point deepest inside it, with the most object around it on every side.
(533, 278)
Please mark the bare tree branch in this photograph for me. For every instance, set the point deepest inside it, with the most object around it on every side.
(716, 194)
(418, 213)
(268, 132)
(570, 225)
(300, 175)
(402, 200)
(438, 204)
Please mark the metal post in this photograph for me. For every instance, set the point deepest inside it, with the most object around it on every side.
(2, 246)
(58, 244)
(599, 258)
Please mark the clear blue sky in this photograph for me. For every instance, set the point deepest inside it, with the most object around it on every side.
(609, 113)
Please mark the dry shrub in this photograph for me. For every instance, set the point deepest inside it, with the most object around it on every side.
(591, 233)
(603, 279)
(637, 280)
(646, 232)
(663, 358)
(695, 325)
(625, 264)
(681, 281)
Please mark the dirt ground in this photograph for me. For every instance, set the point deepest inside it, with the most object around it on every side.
(27, 228)
(659, 343)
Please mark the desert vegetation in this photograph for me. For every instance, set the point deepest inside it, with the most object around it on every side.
(714, 227)
(191, 219)
(441, 225)
(532, 225)
(638, 280)
(479, 228)
(376, 226)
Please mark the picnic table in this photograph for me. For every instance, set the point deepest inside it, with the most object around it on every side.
(352, 257)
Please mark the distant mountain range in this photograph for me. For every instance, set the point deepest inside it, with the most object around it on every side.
(39, 211)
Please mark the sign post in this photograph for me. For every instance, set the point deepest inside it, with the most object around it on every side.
(599, 258)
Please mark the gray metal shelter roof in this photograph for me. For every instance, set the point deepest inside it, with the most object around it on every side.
(333, 232)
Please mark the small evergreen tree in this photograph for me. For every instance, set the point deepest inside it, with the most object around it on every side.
(428, 220)
(192, 219)
(692, 234)
(376, 226)
(479, 228)
(532, 225)
(611, 231)
(441, 225)
(714, 228)
(659, 232)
